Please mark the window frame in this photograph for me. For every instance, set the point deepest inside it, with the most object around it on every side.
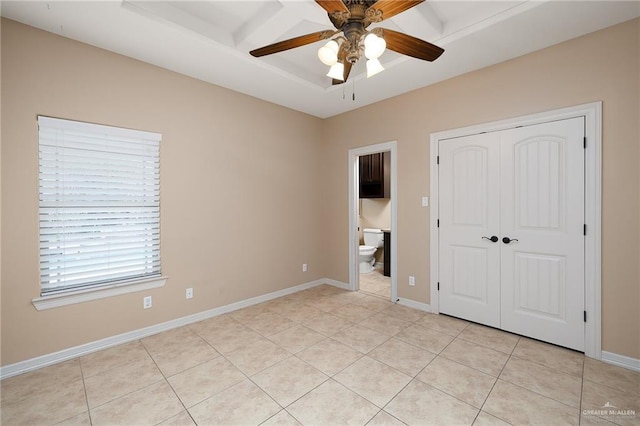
(93, 288)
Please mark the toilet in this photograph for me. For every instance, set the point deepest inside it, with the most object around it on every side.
(373, 238)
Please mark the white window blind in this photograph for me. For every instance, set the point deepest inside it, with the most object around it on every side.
(99, 204)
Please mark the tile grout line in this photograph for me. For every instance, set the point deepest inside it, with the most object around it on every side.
(84, 386)
(584, 366)
(540, 364)
(329, 377)
(536, 392)
(187, 369)
(249, 378)
(447, 393)
(412, 378)
(496, 382)
(291, 355)
(131, 392)
(512, 356)
(166, 380)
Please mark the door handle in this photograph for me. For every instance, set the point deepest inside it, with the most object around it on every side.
(507, 240)
(493, 238)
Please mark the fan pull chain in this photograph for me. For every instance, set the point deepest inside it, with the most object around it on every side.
(353, 90)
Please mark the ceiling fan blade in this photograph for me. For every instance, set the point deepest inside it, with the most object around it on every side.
(292, 43)
(385, 9)
(411, 46)
(332, 6)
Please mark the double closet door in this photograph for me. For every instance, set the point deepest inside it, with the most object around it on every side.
(511, 235)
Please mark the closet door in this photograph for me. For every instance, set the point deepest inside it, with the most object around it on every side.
(469, 177)
(542, 213)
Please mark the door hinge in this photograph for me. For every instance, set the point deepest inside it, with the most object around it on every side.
(584, 229)
(585, 316)
(438, 159)
(438, 285)
(438, 223)
(585, 142)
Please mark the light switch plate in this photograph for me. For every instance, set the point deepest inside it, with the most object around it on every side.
(425, 201)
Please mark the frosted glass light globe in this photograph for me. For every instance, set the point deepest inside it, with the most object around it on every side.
(374, 67)
(328, 53)
(374, 46)
(337, 71)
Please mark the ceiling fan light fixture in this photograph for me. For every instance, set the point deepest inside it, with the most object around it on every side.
(328, 53)
(374, 46)
(352, 18)
(337, 71)
(374, 67)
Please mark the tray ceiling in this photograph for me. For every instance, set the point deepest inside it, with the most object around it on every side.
(210, 41)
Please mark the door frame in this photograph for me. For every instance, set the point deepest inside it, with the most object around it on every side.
(354, 193)
(592, 112)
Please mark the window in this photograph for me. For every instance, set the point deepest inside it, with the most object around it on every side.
(99, 205)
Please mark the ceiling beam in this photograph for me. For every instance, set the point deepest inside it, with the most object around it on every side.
(174, 15)
(431, 17)
(420, 21)
(276, 18)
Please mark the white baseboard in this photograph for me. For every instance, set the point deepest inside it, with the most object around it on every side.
(621, 361)
(608, 357)
(416, 305)
(81, 350)
(339, 284)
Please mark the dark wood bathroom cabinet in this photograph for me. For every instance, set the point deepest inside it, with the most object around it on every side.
(374, 174)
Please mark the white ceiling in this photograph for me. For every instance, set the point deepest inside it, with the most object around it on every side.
(210, 40)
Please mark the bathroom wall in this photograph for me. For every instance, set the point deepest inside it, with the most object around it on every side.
(375, 213)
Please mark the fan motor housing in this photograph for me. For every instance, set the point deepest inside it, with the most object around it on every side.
(353, 32)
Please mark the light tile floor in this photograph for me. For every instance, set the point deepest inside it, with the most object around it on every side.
(325, 356)
(375, 283)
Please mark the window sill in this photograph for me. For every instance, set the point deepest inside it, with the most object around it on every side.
(86, 295)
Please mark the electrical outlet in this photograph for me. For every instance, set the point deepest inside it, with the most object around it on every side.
(304, 267)
(147, 302)
(425, 201)
(412, 280)
(189, 293)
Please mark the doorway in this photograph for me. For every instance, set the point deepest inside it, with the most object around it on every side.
(354, 212)
(513, 267)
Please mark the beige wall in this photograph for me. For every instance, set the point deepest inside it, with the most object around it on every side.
(600, 66)
(375, 213)
(234, 223)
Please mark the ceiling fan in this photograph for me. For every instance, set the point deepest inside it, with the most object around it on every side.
(351, 18)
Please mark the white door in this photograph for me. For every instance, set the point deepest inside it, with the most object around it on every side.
(542, 207)
(526, 187)
(469, 216)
